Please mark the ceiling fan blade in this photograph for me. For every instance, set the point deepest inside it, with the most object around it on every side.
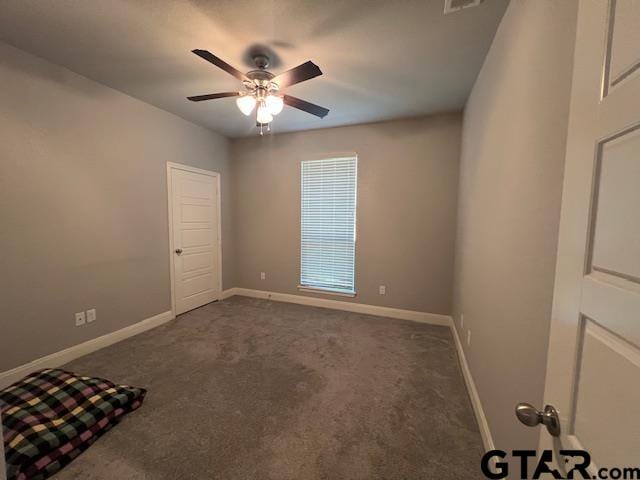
(212, 96)
(211, 58)
(306, 71)
(305, 106)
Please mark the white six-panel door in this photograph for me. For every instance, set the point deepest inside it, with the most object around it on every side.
(195, 236)
(593, 372)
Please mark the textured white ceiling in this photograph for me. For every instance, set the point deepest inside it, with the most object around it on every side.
(381, 59)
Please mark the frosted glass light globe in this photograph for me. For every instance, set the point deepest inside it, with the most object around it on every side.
(246, 103)
(263, 114)
(274, 104)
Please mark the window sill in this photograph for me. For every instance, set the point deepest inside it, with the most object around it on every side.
(326, 291)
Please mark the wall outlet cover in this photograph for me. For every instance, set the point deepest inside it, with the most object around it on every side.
(80, 319)
(263, 276)
(91, 315)
(382, 289)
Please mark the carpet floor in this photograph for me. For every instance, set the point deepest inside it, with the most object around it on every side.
(254, 389)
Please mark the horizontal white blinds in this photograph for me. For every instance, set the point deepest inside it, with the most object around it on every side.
(329, 224)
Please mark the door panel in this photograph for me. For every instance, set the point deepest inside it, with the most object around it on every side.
(195, 238)
(602, 432)
(196, 261)
(593, 370)
(603, 416)
(194, 213)
(623, 58)
(616, 223)
(197, 285)
(200, 237)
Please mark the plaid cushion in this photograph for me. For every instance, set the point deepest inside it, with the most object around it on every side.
(51, 416)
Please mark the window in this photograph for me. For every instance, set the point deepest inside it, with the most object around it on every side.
(328, 223)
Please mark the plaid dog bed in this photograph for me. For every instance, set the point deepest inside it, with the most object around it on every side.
(51, 416)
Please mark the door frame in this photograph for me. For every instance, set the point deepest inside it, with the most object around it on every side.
(171, 166)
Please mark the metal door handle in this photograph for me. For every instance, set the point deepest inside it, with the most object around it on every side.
(178, 251)
(530, 416)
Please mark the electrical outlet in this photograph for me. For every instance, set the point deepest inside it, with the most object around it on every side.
(263, 276)
(462, 320)
(91, 315)
(382, 289)
(80, 319)
(468, 337)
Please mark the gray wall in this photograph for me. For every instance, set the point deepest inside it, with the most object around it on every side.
(407, 182)
(513, 147)
(83, 205)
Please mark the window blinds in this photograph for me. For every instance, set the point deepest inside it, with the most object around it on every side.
(329, 224)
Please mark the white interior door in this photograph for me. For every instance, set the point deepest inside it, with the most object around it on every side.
(195, 237)
(593, 370)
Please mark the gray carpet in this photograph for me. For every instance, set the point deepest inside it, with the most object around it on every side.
(254, 389)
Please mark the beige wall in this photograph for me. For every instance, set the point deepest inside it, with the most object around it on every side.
(83, 205)
(407, 181)
(513, 146)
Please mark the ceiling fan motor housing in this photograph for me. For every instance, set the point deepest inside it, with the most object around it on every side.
(260, 83)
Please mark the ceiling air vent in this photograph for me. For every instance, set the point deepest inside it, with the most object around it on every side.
(451, 6)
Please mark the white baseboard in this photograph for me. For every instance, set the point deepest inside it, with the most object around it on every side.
(230, 292)
(483, 425)
(64, 356)
(423, 317)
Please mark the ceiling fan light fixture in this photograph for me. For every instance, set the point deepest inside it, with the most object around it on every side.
(246, 104)
(262, 89)
(263, 116)
(274, 104)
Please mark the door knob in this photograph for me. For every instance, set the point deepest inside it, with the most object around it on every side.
(178, 251)
(530, 416)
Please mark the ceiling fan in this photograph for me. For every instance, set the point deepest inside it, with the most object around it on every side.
(262, 88)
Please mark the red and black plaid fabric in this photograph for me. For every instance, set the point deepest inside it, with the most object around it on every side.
(52, 416)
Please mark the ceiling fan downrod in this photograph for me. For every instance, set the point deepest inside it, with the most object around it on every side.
(261, 61)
